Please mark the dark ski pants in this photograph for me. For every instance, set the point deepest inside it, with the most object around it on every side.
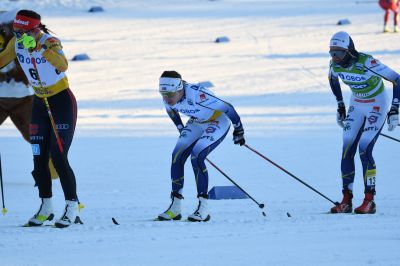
(43, 140)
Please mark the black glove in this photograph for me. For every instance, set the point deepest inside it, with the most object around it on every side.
(341, 114)
(393, 117)
(238, 135)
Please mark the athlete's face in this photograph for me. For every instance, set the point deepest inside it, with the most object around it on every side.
(171, 98)
(33, 32)
(337, 53)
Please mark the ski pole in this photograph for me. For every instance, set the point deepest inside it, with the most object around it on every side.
(53, 124)
(287, 172)
(389, 137)
(260, 205)
(4, 210)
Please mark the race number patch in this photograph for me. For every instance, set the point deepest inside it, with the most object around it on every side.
(371, 181)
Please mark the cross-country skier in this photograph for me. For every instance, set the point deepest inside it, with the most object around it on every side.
(44, 64)
(207, 126)
(368, 109)
(390, 5)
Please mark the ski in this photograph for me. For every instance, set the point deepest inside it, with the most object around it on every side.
(181, 221)
(77, 221)
(33, 226)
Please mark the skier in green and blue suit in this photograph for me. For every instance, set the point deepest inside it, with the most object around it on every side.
(368, 109)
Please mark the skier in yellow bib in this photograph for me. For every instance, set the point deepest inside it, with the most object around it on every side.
(54, 111)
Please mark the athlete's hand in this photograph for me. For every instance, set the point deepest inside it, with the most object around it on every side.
(393, 118)
(341, 114)
(41, 47)
(238, 135)
(27, 41)
(180, 128)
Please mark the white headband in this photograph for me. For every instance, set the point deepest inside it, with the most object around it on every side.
(170, 84)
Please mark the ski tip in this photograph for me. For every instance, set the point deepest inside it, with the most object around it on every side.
(4, 211)
(263, 213)
(114, 221)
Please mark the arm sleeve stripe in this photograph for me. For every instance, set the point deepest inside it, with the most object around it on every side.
(385, 78)
(214, 97)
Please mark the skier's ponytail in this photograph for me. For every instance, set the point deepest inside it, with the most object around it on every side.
(45, 29)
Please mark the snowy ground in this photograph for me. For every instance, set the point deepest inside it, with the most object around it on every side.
(274, 71)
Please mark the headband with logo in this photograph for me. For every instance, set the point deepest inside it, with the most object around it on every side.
(170, 84)
(25, 23)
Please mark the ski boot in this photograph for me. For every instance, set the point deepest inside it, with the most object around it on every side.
(368, 206)
(386, 29)
(174, 210)
(201, 214)
(396, 29)
(69, 216)
(45, 213)
(346, 205)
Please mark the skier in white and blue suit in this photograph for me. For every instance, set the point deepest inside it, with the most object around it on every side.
(369, 106)
(207, 126)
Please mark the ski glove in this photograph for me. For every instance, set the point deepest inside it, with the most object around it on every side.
(341, 114)
(393, 118)
(238, 135)
(27, 41)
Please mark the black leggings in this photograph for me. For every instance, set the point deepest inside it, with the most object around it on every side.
(43, 139)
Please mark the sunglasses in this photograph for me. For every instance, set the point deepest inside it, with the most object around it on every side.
(338, 53)
(167, 94)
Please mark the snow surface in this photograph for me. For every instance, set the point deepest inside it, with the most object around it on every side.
(273, 70)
